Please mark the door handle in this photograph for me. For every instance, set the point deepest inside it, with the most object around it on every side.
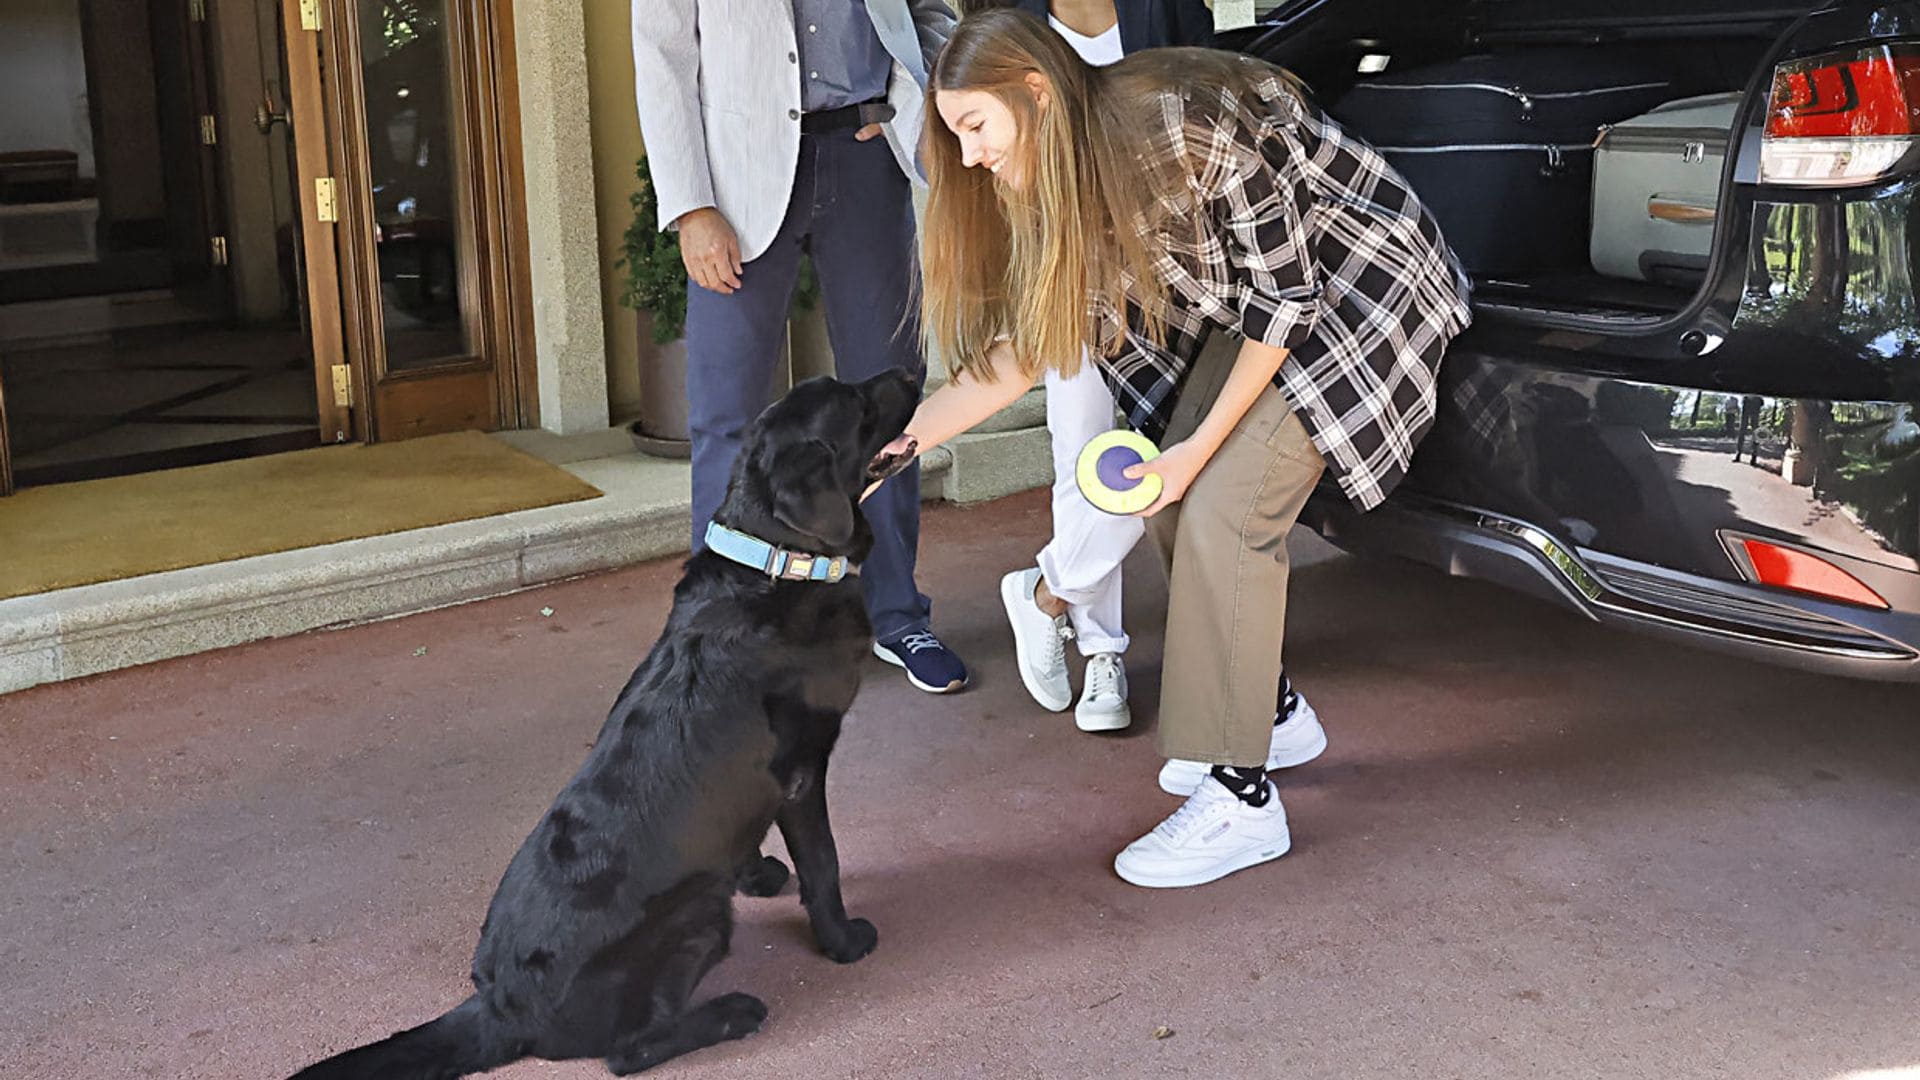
(264, 117)
(1680, 208)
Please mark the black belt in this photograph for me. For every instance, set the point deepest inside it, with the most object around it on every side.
(876, 111)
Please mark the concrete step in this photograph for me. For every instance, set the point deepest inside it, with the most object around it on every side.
(70, 633)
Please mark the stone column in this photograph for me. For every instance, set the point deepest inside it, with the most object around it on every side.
(556, 145)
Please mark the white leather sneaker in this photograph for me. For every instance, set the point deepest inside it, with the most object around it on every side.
(1297, 741)
(1211, 836)
(1039, 641)
(1103, 702)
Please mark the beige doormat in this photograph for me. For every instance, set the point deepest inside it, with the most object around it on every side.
(102, 530)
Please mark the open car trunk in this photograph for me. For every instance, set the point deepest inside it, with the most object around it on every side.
(1574, 153)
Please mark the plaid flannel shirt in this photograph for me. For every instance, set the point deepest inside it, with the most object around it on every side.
(1308, 241)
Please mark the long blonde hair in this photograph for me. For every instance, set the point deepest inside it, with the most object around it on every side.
(1067, 252)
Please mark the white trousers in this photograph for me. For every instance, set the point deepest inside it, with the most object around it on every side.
(1081, 564)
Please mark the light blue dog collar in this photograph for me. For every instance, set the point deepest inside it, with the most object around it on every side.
(776, 562)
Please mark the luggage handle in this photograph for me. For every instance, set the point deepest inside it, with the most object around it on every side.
(1680, 208)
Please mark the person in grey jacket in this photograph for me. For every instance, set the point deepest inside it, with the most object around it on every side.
(775, 128)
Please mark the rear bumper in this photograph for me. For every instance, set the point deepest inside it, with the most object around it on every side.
(1770, 625)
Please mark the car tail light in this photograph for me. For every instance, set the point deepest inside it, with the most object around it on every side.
(1843, 117)
(1801, 571)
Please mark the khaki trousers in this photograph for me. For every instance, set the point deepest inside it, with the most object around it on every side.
(1225, 549)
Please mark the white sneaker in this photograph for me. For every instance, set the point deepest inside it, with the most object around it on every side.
(1296, 742)
(1211, 836)
(1039, 641)
(1103, 703)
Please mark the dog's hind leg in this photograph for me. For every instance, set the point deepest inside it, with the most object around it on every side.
(669, 1028)
(729, 1016)
(762, 876)
(803, 822)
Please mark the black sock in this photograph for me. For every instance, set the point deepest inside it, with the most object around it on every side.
(1286, 702)
(1248, 783)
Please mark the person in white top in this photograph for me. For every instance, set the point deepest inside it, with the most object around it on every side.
(1077, 581)
(1098, 49)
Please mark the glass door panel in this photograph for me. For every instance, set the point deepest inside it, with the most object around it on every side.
(416, 152)
(427, 177)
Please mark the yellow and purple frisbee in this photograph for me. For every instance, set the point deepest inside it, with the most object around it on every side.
(1101, 474)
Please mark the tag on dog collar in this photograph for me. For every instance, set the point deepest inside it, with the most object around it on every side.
(802, 567)
(1100, 472)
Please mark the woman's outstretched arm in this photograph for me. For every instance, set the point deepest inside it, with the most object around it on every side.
(957, 407)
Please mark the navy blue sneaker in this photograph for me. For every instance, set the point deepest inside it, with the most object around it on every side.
(930, 665)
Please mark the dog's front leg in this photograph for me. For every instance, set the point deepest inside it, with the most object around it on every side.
(803, 822)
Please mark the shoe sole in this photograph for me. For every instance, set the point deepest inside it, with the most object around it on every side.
(1253, 856)
(902, 665)
(1115, 721)
(1010, 599)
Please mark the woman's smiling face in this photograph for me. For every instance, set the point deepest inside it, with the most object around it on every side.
(988, 132)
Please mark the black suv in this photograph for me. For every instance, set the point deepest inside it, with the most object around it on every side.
(1728, 454)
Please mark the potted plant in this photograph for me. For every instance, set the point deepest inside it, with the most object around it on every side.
(655, 286)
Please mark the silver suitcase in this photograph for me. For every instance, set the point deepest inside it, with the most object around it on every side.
(1656, 184)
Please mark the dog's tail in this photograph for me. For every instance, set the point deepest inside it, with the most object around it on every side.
(465, 1040)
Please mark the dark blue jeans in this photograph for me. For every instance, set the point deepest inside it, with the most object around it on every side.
(852, 212)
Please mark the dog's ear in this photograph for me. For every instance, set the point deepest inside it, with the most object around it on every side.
(807, 496)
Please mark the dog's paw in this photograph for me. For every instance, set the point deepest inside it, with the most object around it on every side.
(854, 941)
(739, 1015)
(893, 458)
(764, 876)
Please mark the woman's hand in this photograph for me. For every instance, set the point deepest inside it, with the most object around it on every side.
(1177, 466)
(890, 461)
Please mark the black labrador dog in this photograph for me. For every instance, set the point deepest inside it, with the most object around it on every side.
(621, 900)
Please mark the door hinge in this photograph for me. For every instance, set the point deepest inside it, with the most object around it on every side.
(342, 386)
(325, 207)
(209, 130)
(197, 10)
(310, 15)
(219, 251)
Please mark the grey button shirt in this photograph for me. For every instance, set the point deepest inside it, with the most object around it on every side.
(841, 59)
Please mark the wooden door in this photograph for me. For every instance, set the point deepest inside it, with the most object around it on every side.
(184, 70)
(427, 215)
(315, 147)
